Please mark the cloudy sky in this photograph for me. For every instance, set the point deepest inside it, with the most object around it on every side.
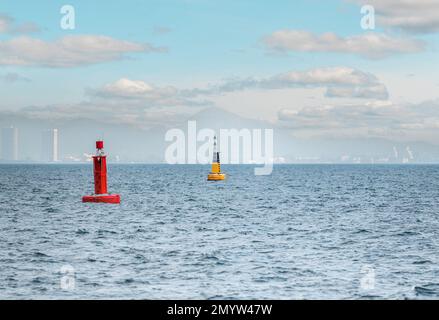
(304, 66)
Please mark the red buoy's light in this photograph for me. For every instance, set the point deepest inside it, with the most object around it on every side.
(99, 144)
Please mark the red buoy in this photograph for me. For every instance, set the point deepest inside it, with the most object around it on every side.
(100, 178)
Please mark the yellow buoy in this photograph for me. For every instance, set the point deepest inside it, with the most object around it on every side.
(215, 174)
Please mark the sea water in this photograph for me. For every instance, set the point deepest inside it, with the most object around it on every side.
(303, 232)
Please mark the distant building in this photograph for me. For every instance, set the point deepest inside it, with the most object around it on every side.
(9, 144)
(49, 147)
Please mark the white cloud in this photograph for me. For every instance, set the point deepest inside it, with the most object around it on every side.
(368, 45)
(378, 91)
(69, 51)
(126, 87)
(131, 101)
(103, 112)
(331, 76)
(337, 116)
(125, 101)
(339, 82)
(416, 16)
(8, 25)
(147, 95)
(384, 119)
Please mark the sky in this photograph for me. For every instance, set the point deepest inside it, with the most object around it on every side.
(304, 66)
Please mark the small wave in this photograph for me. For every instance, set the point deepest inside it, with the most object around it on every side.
(431, 289)
(347, 242)
(40, 254)
(407, 233)
(102, 232)
(422, 262)
(171, 253)
(210, 257)
(126, 281)
(369, 297)
(140, 257)
(360, 231)
(216, 297)
(38, 280)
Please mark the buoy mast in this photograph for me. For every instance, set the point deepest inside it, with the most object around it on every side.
(100, 169)
(216, 174)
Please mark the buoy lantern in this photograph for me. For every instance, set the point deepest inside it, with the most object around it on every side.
(215, 174)
(100, 178)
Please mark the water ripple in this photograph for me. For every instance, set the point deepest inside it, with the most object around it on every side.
(305, 232)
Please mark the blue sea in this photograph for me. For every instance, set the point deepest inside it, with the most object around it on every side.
(304, 232)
